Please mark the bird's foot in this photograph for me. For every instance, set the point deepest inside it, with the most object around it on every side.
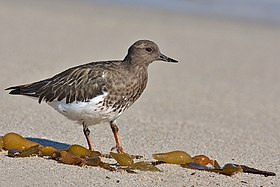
(120, 150)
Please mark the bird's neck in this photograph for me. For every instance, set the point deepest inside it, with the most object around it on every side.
(135, 67)
(132, 60)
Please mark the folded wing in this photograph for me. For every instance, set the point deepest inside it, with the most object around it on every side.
(74, 84)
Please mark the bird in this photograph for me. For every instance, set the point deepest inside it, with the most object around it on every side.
(97, 92)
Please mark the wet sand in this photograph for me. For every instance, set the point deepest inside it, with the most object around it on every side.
(221, 100)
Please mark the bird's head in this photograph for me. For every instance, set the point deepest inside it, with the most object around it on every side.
(145, 52)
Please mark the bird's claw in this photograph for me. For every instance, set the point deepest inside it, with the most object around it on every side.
(119, 149)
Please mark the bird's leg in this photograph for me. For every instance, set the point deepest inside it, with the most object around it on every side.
(115, 130)
(118, 146)
(87, 135)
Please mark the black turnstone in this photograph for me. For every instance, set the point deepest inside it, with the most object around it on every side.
(97, 92)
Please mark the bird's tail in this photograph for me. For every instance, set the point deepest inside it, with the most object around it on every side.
(28, 89)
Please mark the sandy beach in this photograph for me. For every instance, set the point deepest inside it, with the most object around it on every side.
(221, 99)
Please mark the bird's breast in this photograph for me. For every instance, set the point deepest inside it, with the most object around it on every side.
(122, 93)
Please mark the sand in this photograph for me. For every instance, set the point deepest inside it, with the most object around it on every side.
(221, 100)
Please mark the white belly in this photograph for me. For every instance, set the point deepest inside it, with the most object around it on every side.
(89, 113)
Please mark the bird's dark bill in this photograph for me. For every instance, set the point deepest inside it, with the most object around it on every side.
(166, 58)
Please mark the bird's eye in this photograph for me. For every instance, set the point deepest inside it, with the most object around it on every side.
(148, 49)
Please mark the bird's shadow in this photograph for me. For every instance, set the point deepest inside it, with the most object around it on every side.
(54, 144)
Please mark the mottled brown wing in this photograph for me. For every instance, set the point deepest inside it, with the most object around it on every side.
(74, 84)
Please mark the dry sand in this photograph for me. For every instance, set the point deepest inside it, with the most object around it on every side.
(221, 100)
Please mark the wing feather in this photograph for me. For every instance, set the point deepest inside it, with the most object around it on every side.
(77, 84)
(80, 83)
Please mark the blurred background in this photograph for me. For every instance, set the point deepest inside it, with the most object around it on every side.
(265, 11)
